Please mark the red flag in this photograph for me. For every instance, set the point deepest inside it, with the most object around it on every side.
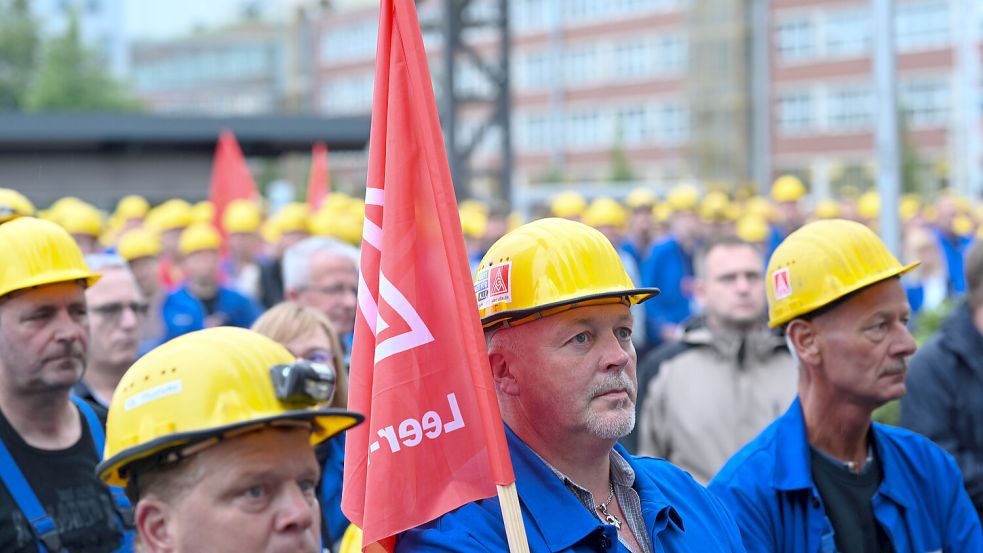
(433, 437)
(231, 179)
(319, 181)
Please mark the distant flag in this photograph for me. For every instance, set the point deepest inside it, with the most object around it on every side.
(319, 181)
(231, 179)
(433, 439)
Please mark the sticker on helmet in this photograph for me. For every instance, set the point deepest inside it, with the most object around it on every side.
(152, 394)
(781, 284)
(494, 285)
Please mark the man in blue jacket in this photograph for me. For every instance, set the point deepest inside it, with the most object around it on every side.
(823, 477)
(202, 302)
(554, 300)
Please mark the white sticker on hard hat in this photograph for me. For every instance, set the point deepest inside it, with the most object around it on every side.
(781, 283)
(152, 394)
(494, 285)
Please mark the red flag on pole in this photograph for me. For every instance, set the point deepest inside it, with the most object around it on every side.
(319, 181)
(433, 439)
(231, 179)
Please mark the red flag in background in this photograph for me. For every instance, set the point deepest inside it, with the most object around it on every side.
(231, 179)
(433, 437)
(319, 181)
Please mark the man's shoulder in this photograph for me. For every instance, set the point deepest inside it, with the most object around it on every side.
(753, 463)
(901, 444)
(474, 526)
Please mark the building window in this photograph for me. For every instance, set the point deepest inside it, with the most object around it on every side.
(847, 33)
(535, 70)
(796, 111)
(925, 103)
(670, 55)
(921, 25)
(582, 66)
(584, 129)
(850, 108)
(673, 123)
(632, 126)
(796, 39)
(531, 15)
(633, 59)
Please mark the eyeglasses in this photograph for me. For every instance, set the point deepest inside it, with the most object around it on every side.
(115, 309)
(322, 356)
(336, 290)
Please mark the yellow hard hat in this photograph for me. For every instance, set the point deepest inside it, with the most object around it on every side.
(170, 215)
(203, 212)
(241, 216)
(752, 228)
(962, 225)
(548, 266)
(822, 262)
(714, 207)
(198, 237)
(336, 201)
(81, 218)
(13, 204)
(293, 217)
(909, 206)
(605, 212)
(760, 206)
(351, 541)
(568, 204)
(35, 252)
(640, 197)
(827, 209)
(787, 188)
(473, 222)
(132, 207)
(869, 205)
(683, 198)
(661, 212)
(474, 205)
(206, 384)
(137, 243)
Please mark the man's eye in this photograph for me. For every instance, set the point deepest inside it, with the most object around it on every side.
(255, 492)
(624, 333)
(580, 338)
(307, 485)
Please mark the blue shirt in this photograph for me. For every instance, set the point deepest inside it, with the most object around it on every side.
(954, 250)
(184, 313)
(332, 472)
(680, 515)
(921, 502)
(670, 269)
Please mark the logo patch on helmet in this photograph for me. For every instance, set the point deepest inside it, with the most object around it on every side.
(781, 284)
(494, 285)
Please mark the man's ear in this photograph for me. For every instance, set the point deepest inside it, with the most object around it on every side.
(699, 292)
(502, 374)
(804, 338)
(153, 524)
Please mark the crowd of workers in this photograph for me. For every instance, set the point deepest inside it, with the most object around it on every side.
(693, 372)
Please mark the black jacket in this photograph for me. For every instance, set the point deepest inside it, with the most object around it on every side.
(944, 399)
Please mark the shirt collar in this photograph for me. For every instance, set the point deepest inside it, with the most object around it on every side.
(793, 469)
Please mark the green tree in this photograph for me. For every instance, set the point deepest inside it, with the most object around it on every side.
(912, 178)
(621, 169)
(73, 77)
(19, 44)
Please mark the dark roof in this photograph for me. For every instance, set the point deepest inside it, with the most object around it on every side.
(127, 132)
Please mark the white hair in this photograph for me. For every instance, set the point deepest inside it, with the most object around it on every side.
(791, 350)
(297, 259)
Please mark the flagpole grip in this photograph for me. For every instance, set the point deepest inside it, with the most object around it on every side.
(515, 530)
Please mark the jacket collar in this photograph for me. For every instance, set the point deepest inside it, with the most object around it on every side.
(793, 468)
(894, 484)
(558, 514)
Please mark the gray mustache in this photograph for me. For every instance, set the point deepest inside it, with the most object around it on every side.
(610, 383)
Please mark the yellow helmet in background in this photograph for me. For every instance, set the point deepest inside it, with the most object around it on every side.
(81, 218)
(909, 206)
(204, 385)
(823, 262)
(787, 188)
(568, 205)
(170, 215)
(293, 217)
(132, 207)
(473, 222)
(605, 212)
(35, 252)
(962, 225)
(869, 205)
(203, 212)
(827, 209)
(715, 207)
(640, 197)
(199, 237)
(548, 266)
(13, 204)
(752, 228)
(137, 243)
(683, 198)
(241, 217)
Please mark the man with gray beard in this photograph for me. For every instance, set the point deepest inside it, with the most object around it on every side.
(554, 301)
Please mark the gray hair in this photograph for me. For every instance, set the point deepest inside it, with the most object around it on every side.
(297, 259)
(105, 261)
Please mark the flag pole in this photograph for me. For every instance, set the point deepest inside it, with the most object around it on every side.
(515, 530)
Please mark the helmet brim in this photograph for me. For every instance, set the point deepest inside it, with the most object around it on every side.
(515, 317)
(328, 423)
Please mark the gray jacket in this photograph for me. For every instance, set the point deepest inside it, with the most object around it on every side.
(713, 397)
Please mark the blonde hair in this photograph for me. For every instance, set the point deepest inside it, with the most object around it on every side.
(288, 321)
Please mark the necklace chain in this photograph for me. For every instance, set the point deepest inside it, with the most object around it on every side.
(603, 508)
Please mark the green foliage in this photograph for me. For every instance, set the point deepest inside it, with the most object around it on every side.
(911, 160)
(73, 77)
(550, 175)
(19, 45)
(621, 169)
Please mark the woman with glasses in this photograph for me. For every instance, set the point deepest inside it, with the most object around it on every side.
(310, 337)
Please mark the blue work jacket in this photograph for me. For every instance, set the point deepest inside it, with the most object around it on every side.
(680, 515)
(670, 269)
(184, 313)
(921, 502)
